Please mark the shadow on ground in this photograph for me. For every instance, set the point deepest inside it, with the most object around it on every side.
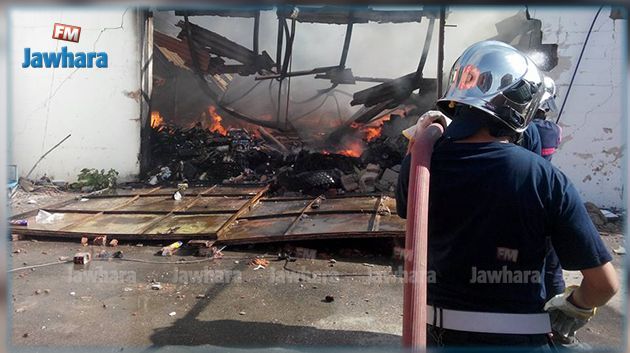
(233, 333)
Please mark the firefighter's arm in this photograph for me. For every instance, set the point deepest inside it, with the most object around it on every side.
(598, 286)
(573, 309)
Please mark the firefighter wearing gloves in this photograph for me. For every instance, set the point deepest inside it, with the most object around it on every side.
(492, 206)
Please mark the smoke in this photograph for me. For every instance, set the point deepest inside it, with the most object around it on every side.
(376, 50)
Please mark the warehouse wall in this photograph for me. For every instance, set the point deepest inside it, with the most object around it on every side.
(593, 150)
(100, 107)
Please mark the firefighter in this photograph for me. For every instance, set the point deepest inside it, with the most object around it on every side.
(543, 137)
(491, 205)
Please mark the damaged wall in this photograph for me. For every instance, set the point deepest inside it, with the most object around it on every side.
(593, 147)
(100, 107)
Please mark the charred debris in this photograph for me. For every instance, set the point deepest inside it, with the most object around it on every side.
(210, 155)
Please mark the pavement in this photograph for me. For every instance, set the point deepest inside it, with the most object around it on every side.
(222, 303)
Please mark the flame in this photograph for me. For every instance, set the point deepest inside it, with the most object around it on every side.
(156, 120)
(215, 125)
(352, 149)
(372, 132)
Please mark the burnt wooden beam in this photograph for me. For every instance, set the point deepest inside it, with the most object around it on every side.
(440, 63)
(344, 15)
(221, 46)
(234, 12)
(346, 45)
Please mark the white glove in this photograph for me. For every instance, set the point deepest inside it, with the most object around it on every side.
(425, 120)
(567, 318)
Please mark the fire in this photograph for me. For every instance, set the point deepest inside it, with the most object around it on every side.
(372, 132)
(352, 149)
(215, 125)
(156, 120)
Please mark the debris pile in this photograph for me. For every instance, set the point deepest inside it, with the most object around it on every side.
(211, 153)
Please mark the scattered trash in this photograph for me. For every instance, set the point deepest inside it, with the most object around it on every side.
(19, 222)
(609, 214)
(620, 250)
(169, 250)
(368, 265)
(64, 258)
(31, 202)
(73, 294)
(329, 299)
(38, 292)
(172, 314)
(236, 262)
(316, 203)
(177, 196)
(100, 240)
(84, 199)
(127, 289)
(259, 263)
(82, 258)
(242, 313)
(201, 296)
(20, 310)
(216, 252)
(139, 245)
(156, 286)
(17, 251)
(44, 217)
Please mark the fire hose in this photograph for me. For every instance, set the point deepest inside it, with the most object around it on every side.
(415, 290)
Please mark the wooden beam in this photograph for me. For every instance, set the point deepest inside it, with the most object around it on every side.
(245, 208)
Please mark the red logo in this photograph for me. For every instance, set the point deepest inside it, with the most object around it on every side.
(66, 32)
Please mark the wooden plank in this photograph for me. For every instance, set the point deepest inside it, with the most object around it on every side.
(246, 207)
(154, 223)
(301, 214)
(87, 219)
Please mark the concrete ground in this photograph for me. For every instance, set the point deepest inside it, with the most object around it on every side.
(222, 303)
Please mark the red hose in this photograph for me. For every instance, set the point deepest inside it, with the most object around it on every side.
(415, 292)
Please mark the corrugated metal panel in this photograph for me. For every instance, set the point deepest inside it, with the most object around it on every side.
(228, 214)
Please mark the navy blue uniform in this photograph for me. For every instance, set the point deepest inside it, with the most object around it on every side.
(543, 137)
(491, 207)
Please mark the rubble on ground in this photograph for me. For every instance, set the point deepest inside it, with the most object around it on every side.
(237, 155)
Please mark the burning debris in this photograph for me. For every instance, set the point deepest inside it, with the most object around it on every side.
(211, 152)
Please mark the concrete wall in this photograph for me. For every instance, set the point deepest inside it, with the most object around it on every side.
(593, 151)
(100, 107)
